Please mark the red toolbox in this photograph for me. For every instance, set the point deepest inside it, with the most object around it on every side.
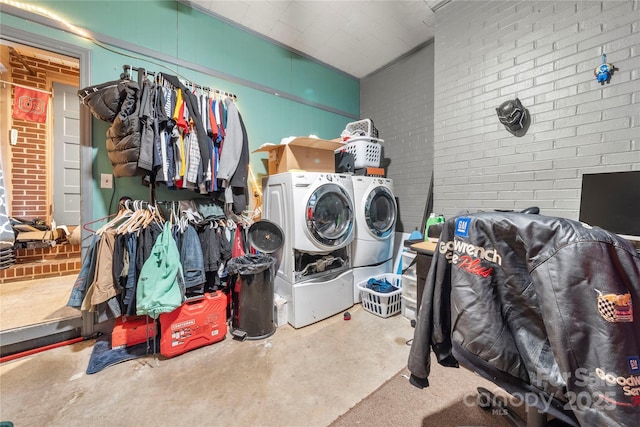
(132, 330)
(196, 323)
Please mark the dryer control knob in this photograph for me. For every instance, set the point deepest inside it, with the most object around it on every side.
(329, 177)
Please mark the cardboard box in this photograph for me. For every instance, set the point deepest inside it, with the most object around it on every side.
(40, 235)
(302, 153)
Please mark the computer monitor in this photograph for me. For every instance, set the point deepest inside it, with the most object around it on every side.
(612, 201)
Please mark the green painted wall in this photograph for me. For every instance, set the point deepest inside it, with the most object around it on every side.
(180, 35)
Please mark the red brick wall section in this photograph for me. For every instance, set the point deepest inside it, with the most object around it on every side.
(29, 156)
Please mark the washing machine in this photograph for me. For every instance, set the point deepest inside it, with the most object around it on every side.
(376, 213)
(316, 213)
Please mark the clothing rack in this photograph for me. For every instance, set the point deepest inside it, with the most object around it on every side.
(127, 74)
(159, 77)
(165, 207)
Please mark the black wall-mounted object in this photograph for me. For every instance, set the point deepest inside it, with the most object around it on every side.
(515, 118)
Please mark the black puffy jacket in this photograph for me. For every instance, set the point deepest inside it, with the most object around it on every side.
(117, 102)
(103, 100)
(542, 302)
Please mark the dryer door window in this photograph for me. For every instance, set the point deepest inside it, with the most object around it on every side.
(380, 212)
(330, 215)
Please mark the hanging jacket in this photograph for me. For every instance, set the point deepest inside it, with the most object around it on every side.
(161, 121)
(239, 184)
(147, 114)
(105, 281)
(234, 160)
(104, 100)
(544, 303)
(161, 278)
(86, 275)
(191, 258)
(123, 137)
(117, 103)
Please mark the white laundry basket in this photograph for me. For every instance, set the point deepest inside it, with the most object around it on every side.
(366, 151)
(363, 127)
(379, 303)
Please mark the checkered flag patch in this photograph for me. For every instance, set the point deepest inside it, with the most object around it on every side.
(607, 308)
(615, 308)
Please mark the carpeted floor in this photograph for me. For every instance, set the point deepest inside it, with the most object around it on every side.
(449, 401)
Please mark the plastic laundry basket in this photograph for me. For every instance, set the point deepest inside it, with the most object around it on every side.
(379, 303)
(366, 151)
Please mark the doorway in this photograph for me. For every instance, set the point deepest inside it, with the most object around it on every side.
(45, 168)
(66, 154)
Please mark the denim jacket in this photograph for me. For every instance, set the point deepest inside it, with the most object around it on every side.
(192, 258)
(86, 275)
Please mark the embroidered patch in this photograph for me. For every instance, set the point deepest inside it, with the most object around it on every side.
(462, 226)
(615, 308)
(634, 365)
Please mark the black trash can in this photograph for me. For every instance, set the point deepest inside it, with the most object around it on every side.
(252, 296)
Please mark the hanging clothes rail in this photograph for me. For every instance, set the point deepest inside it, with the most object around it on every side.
(129, 68)
(196, 178)
(179, 135)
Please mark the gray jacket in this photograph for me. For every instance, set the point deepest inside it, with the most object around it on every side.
(233, 170)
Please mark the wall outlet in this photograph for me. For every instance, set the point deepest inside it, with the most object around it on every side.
(106, 180)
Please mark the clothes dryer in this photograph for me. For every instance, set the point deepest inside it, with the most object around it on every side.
(376, 214)
(316, 213)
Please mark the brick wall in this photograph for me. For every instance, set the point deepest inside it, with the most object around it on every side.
(399, 100)
(487, 52)
(60, 260)
(544, 53)
(29, 174)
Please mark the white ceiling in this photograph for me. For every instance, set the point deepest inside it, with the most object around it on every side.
(357, 37)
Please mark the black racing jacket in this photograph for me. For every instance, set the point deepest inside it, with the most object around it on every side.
(543, 302)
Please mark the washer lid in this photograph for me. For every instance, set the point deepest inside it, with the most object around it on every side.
(329, 213)
(380, 211)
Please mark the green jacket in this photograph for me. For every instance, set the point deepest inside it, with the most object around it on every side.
(161, 277)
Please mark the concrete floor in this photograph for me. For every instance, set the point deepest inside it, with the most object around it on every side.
(296, 377)
(29, 302)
